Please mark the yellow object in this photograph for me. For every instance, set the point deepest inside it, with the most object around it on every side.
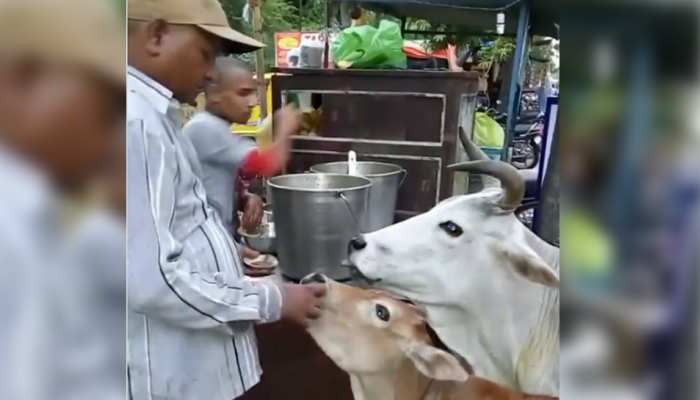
(311, 122)
(288, 43)
(260, 130)
(591, 251)
(344, 64)
(487, 132)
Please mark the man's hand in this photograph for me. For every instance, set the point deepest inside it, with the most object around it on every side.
(287, 122)
(252, 213)
(302, 302)
(247, 252)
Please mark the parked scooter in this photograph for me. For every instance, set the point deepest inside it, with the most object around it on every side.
(527, 145)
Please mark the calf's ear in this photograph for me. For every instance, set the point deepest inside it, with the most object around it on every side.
(433, 362)
(527, 264)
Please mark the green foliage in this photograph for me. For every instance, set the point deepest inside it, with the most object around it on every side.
(233, 10)
(498, 52)
(278, 16)
(543, 57)
(438, 36)
(313, 15)
(541, 49)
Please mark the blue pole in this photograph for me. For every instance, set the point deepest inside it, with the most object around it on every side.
(521, 43)
(636, 135)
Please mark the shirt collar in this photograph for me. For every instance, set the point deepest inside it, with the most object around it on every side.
(158, 95)
(219, 120)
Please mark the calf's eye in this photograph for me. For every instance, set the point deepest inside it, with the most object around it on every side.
(451, 228)
(382, 312)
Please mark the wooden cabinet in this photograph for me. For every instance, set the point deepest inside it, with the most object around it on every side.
(410, 118)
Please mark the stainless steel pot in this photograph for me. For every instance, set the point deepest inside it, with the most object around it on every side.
(316, 215)
(386, 179)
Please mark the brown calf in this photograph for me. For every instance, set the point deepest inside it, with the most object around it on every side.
(384, 345)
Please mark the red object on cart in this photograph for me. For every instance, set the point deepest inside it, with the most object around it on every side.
(417, 50)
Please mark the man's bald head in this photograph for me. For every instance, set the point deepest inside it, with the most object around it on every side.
(231, 94)
(227, 69)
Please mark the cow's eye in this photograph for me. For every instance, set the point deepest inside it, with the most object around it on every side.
(451, 228)
(382, 312)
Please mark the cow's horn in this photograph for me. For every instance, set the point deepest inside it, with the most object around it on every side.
(513, 184)
(475, 153)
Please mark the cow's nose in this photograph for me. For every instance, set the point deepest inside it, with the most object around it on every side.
(313, 278)
(358, 243)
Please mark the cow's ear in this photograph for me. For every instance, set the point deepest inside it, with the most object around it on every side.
(433, 362)
(527, 264)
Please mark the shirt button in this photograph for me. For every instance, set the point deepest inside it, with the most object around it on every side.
(219, 279)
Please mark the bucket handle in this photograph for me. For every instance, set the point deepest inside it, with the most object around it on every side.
(404, 175)
(343, 197)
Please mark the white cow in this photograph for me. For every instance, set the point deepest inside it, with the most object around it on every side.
(490, 286)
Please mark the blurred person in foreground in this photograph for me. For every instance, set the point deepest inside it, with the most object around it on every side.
(61, 103)
(191, 311)
(228, 159)
(95, 256)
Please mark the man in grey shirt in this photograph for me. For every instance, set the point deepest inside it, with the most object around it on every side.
(225, 156)
(221, 154)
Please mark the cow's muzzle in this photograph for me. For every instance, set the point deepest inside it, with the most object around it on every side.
(357, 243)
(357, 275)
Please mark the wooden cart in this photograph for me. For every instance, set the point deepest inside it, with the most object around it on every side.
(410, 118)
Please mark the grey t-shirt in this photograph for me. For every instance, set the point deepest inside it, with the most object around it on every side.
(221, 154)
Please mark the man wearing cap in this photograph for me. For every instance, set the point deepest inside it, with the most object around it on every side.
(191, 311)
(61, 106)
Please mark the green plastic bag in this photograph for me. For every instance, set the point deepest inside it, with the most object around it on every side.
(365, 46)
(487, 132)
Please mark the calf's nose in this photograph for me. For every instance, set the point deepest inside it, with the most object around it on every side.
(358, 243)
(313, 278)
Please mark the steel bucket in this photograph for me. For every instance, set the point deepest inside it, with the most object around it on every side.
(316, 216)
(386, 179)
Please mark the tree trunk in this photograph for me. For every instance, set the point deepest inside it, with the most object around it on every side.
(259, 59)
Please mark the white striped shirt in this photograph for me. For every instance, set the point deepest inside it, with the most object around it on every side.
(191, 311)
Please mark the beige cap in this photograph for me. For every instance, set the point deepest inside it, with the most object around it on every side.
(206, 14)
(85, 33)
